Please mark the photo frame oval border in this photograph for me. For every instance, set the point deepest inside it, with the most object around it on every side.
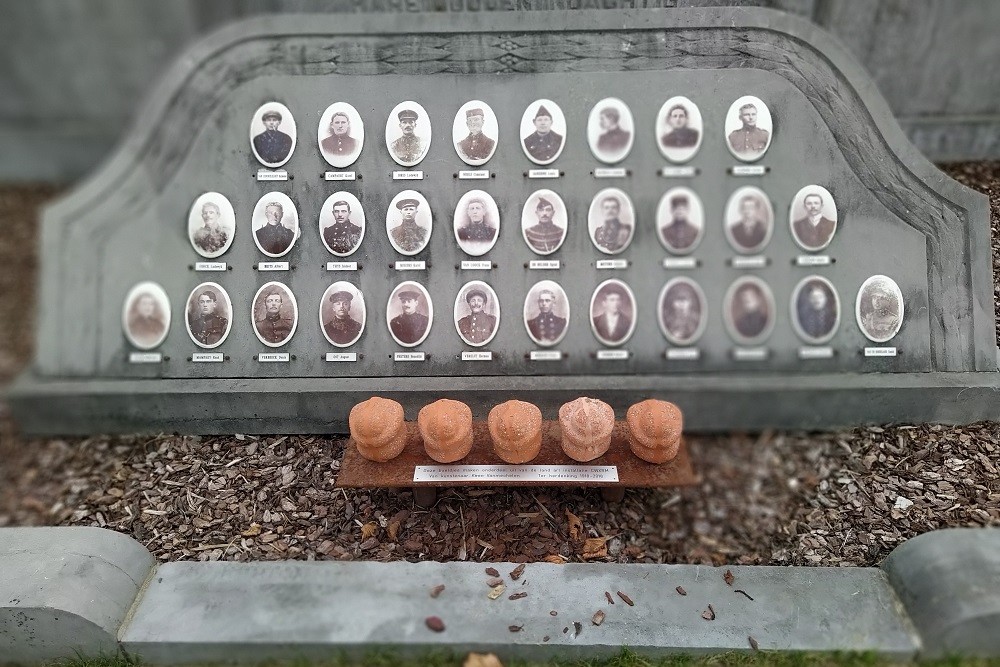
(218, 289)
(555, 288)
(622, 285)
(357, 132)
(352, 201)
(897, 293)
(491, 294)
(260, 210)
(355, 291)
(160, 295)
(733, 203)
(663, 211)
(295, 312)
(421, 202)
(734, 113)
(793, 311)
(727, 302)
(824, 194)
(527, 121)
(703, 320)
(681, 154)
(594, 129)
(557, 205)
(492, 210)
(430, 312)
(425, 142)
(595, 205)
(257, 118)
(459, 130)
(195, 222)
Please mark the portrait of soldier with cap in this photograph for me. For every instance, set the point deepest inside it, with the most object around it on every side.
(343, 138)
(541, 312)
(343, 236)
(410, 326)
(681, 220)
(339, 325)
(612, 309)
(543, 144)
(682, 311)
(479, 324)
(273, 237)
(539, 224)
(275, 314)
(408, 147)
(272, 146)
(476, 147)
(750, 135)
(409, 236)
(476, 222)
(608, 231)
(879, 308)
(207, 317)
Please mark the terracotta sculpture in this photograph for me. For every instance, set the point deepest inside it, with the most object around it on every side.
(378, 427)
(446, 427)
(654, 430)
(516, 429)
(586, 428)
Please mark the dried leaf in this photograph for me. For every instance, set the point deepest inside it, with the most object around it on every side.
(368, 530)
(518, 596)
(434, 623)
(516, 573)
(482, 660)
(626, 599)
(252, 531)
(708, 614)
(515, 628)
(496, 592)
(598, 618)
(493, 582)
(608, 597)
(555, 559)
(575, 526)
(437, 590)
(595, 547)
(728, 576)
(493, 572)
(393, 530)
(578, 627)
(681, 591)
(753, 643)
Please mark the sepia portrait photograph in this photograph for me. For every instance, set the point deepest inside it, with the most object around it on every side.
(683, 311)
(341, 134)
(748, 128)
(408, 133)
(476, 222)
(815, 310)
(544, 222)
(679, 129)
(879, 308)
(680, 220)
(272, 134)
(209, 315)
(408, 222)
(275, 224)
(612, 312)
(748, 309)
(546, 313)
(409, 313)
(813, 217)
(274, 314)
(543, 131)
(342, 314)
(477, 313)
(342, 223)
(474, 132)
(749, 220)
(211, 225)
(610, 130)
(611, 221)
(146, 315)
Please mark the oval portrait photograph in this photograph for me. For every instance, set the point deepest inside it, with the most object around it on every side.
(879, 308)
(544, 221)
(683, 311)
(341, 134)
(749, 220)
(275, 224)
(274, 314)
(610, 130)
(612, 312)
(813, 217)
(342, 223)
(815, 310)
(611, 221)
(408, 133)
(209, 315)
(342, 313)
(748, 309)
(477, 222)
(748, 128)
(680, 220)
(546, 313)
(272, 134)
(543, 131)
(477, 313)
(211, 224)
(409, 222)
(409, 313)
(679, 129)
(146, 315)
(474, 132)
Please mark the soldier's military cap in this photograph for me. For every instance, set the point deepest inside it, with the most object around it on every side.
(476, 292)
(474, 112)
(409, 294)
(407, 114)
(403, 203)
(210, 294)
(342, 295)
(543, 202)
(271, 114)
(542, 111)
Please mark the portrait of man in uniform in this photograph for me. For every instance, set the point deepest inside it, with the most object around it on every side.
(410, 326)
(749, 310)
(476, 147)
(608, 231)
(680, 231)
(275, 315)
(817, 310)
(208, 315)
(339, 142)
(272, 146)
(147, 315)
(475, 228)
(211, 224)
(339, 324)
(480, 313)
(678, 134)
(546, 313)
(813, 230)
(274, 238)
(609, 130)
(544, 225)
(409, 140)
(750, 136)
(544, 144)
(612, 311)
(681, 133)
(682, 311)
(879, 308)
(409, 236)
(749, 220)
(343, 237)
(211, 237)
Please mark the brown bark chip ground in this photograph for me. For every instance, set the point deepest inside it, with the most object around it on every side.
(775, 498)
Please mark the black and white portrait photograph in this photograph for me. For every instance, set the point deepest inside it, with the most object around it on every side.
(815, 310)
(683, 311)
(749, 220)
(879, 308)
(679, 129)
(544, 222)
(146, 315)
(408, 133)
(275, 314)
(342, 314)
(748, 128)
(275, 224)
(546, 313)
(409, 313)
(748, 309)
(341, 134)
(408, 222)
(813, 217)
(611, 221)
(610, 130)
(477, 313)
(272, 134)
(543, 131)
(474, 132)
(680, 220)
(612, 312)
(209, 315)
(342, 223)
(476, 222)
(211, 224)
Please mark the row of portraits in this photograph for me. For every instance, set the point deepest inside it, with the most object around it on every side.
(611, 222)
(749, 312)
(543, 130)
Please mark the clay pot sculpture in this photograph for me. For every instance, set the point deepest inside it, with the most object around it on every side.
(516, 429)
(654, 430)
(446, 427)
(586, 428)
(378, 427)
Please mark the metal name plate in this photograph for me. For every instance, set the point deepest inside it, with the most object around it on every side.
(755, 262)
(515, 473)
(544, 264)
(473, 174)
(543, 173)
(411, 265)
(208, 357)
(611, 264)
(145, 357)
(341, 356)
(612, 355)
(811, 352)
(750, 353)
(813, 260)
(273, 357)
(749, 170)
(680, 263)
(341, 266)
(880, 352)
(678, 172)
(407, 175)
(210, 266)
(409, 356)
(476, 265)
(272, 266)
(546, 355)
(683, 354)
(477, 355)
(268, 175)
(340, 176)
(619, 172)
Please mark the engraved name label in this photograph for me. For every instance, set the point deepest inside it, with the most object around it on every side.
(409, 356)
(210, 266)
(341, 356)
(683, 354)
(545, 355)
(813, 260)
(145, 357)
(749, 170)
(476, 265)
(816, 352)
(270, 357)
(473, 174)
(341, 266)
(612, 355)
(340, 176)
(880, 352)
(612, 264)
(680, 263)
(272, 266)
(515, 473)
(543, 173)
(607, 172)
(411, 265)
(268, 175)
(208, 357)
(678, 172)
(408, 175)
(544, 264)
(477, 355)
(750, 353)
(755, 262)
